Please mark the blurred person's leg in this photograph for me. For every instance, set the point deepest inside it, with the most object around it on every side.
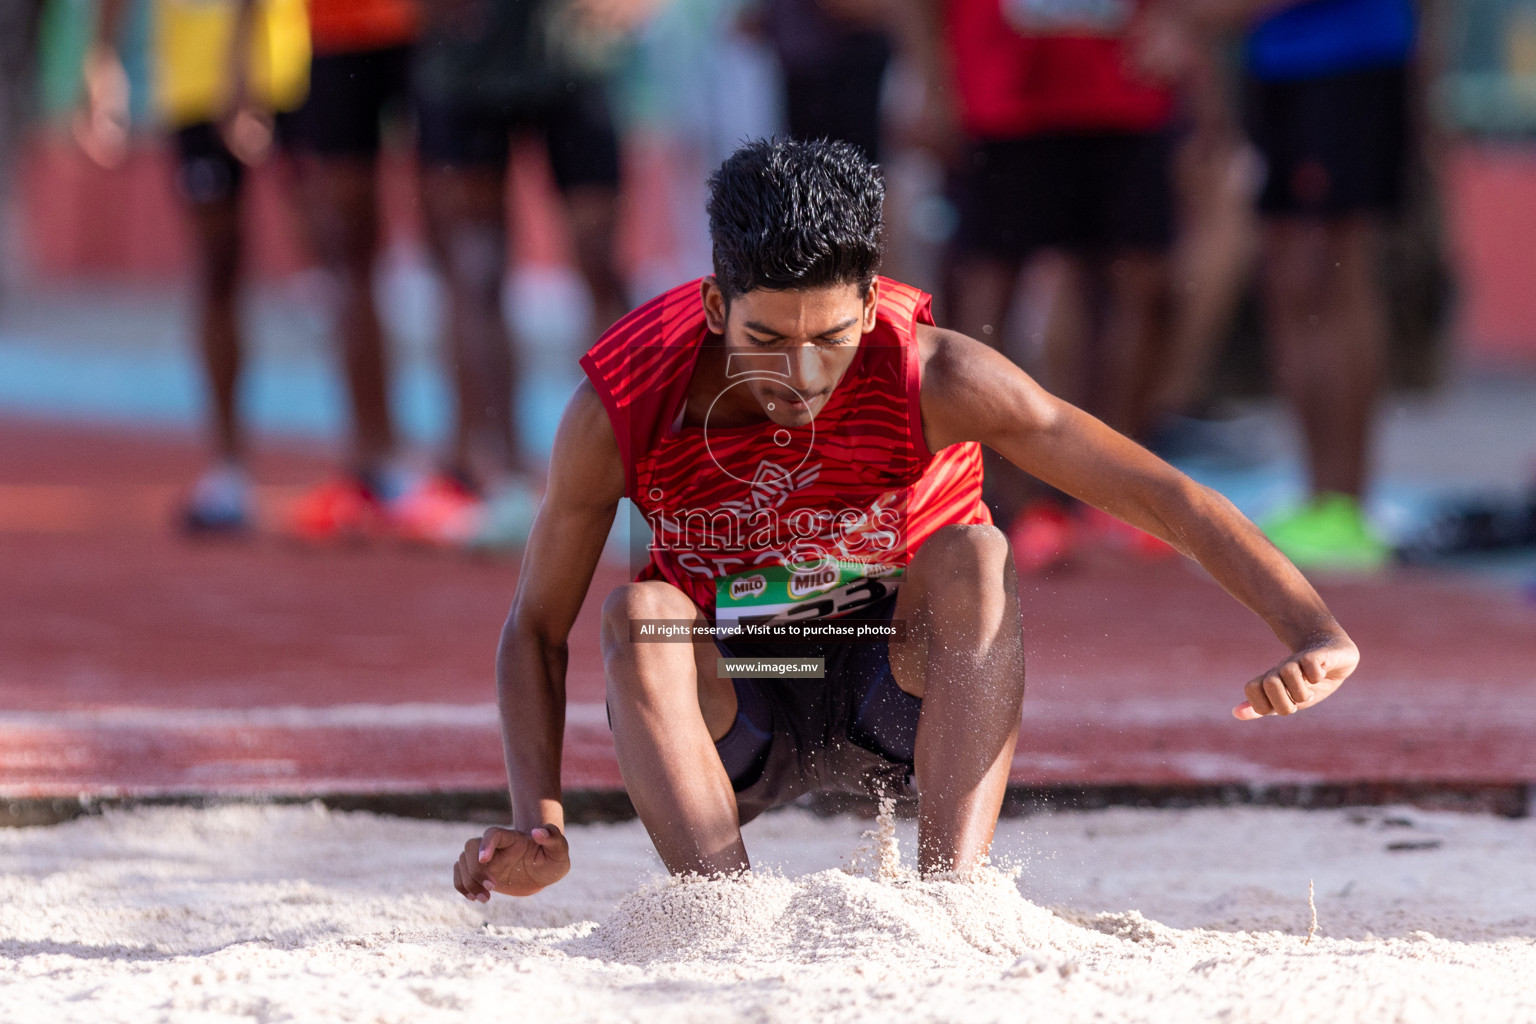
(210, 181)
(982, 275)
(1325, 318)
(1001, 229)
(19, 23)
(1131, 230)
(336, 139)
(464, 164)
(1215, 176)
(583, 149)
(1133, 339)
(1336, 148)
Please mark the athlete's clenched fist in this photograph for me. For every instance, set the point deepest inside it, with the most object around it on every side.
(1300, 681)
(511, 862)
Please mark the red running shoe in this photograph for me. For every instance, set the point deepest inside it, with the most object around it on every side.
(339, 510)
(1118, 535)
(1042, 537)
(441, 511)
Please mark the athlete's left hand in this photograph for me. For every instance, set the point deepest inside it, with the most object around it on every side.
(1300, 681)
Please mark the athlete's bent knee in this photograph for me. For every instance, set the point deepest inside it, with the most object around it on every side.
(649, 599)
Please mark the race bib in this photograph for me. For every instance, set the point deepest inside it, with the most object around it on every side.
(793, 593)
(1076, 17)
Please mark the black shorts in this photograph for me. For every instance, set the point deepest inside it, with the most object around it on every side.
(206, 171)
(840, 102)
(577, 127)
(1333, 145)
(854, 731)
(349, 95)
(1084, 191)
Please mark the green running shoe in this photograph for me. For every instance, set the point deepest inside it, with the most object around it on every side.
(1330, 533)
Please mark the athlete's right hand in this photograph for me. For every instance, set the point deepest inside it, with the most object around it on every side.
(511, 862)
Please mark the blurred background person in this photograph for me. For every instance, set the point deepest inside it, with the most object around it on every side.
(1329, 87)
(1217, 174)
(222, 70)
(486, 71)
(18, 65)
(1062, 165)
(359, 79)
(833, 55)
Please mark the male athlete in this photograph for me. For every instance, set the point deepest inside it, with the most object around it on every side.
(806, 445)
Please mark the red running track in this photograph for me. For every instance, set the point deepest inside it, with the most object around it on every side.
(136, 664)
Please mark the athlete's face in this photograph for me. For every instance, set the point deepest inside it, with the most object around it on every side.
(791, 348)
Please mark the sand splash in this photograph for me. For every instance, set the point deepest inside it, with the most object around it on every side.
(874, 911)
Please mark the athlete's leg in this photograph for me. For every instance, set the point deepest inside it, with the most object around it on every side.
(216, 243)
(1212, 260)
(965, 659)
(583, 148)
(981, 291)
(1323, 307)
(667, 709)
(340, 204)
(466, 220)
(1134, 337)
(594, 214)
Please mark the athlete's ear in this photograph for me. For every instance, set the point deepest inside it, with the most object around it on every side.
(871, 305)
(714, 304)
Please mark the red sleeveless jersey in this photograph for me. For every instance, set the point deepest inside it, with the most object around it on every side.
(730, 506)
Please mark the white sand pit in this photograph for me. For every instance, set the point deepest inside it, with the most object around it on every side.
(274, 914)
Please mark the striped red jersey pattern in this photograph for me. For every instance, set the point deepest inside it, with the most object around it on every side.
(858, 484)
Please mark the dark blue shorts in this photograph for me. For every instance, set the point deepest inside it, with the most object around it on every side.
(853, 731)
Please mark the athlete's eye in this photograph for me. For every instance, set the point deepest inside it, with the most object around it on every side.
(759, 342)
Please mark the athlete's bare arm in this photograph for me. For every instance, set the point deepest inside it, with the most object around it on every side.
(973, 393)
(586, 480)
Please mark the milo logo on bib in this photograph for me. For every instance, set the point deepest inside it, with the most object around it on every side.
(804, 584)
(744, 587)
(811, 590)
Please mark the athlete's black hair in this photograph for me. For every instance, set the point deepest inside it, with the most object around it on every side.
(786, 214)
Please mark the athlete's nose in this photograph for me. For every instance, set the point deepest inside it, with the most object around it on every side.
(805, 369)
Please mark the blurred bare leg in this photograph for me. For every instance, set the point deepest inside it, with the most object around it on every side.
(216, 240)
(1067, 365)
(1324, 312)
(1211, 265)
(467, 225)
(340, 208)
(1134, 338)
(981, 293)
(593, 211)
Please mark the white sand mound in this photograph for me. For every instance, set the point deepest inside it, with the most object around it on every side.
(891, 918)
(276, 914)
(764, 921)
